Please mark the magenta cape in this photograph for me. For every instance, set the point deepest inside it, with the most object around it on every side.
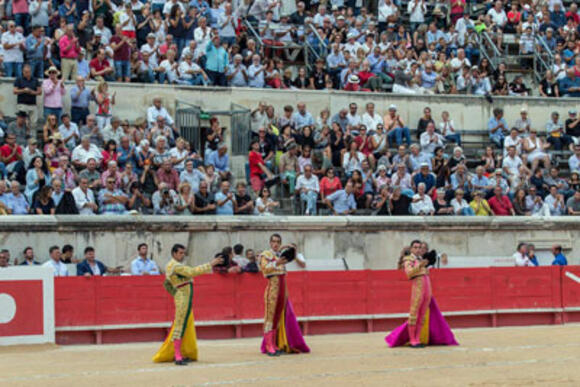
(439, 331)
(294, 335)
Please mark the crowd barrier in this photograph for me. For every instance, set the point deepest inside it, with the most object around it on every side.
(124, 309)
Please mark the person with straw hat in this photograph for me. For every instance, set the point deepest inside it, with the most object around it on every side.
(53, 89)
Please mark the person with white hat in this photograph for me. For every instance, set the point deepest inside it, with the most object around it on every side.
(54, 91)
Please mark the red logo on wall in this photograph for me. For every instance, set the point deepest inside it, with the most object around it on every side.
(21, 308)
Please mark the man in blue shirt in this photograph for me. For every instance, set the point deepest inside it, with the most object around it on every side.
(570, 84)
(35, 51)
(80, 98)
(559, 258)
(225, 200)
(302, 117)
(220, 161)
(16, 201)
(216, 62)
(424, 176)
(496, 126)
(142, 265)
(342, 201)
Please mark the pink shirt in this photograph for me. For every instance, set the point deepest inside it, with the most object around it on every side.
(71, 53)
(53, 93)
(19, 6)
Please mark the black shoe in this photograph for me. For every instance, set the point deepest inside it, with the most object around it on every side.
(187, 360)
(273, 181)
(280, 352)
(273, 354)
(418, 346)
(181, 362)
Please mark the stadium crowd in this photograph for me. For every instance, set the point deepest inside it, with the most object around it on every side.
(420, 46)
(353, 159)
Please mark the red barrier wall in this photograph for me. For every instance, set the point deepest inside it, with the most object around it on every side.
(115, 309)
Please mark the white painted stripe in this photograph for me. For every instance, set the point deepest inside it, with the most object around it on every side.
(572, 276)
(311, 319)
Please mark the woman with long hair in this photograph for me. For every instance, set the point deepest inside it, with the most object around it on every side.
(109, 153)
(44, 205)
(105, 102)
(423, 311)
(519, 203)
(37, 177)
(329, 183)
(265, 204)
(186, 200)
(49, 128)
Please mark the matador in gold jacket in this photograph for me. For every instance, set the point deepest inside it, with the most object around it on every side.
(181, 344)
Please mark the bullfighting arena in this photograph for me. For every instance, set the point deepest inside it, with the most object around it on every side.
(522, 356)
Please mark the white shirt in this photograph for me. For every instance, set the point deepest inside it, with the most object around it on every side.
(105, 34)
(385, 11)
(169, 70)
(371, 122)
(513, 165)
(427, 146)
(174, 152)
(82, 155)
(153, 113)
(424, 206)
(13, 54)
(59, 268)
(311, 184)
(81, 199)
(130, 26)
(509, 141)
(294, 266)
(574, 163)
(418, 14)
(353, 120)
(229, 30)
(459, 205)
(499, 18)
(184, 67)
(152, 51)
(447, 128)
(521, 260)
(169, 4)
(67, 132)
(202, 40)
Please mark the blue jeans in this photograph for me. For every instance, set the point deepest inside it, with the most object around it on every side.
(230, 40)
(454, 138)
(310, 198)
(498, 141)
(37, 67)
(55, 111)
(79, 115)
(22, 19)
(467, 211)
(122, 69)
(397, 135)
(196, 80)
(13, 69)
(147, 77)
(2, 170)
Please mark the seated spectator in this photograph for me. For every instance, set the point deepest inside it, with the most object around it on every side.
(573, 204)
(143, 265)
(165, 200)
(342, 202)
(190, 73)
(559, 258)
(500, 204)
(534, 149)
(43, 203)
(112, 200)
(231, 266)
(85, 198)
(85, 151)
(245, 204)
(204, 200)
(225, 200)
(460, 205)
(555, 202)
(265, 205)
(479, 205)
(15, 201)
(220, 160)
(425, 177)
(447, 129)
(158, 110)
(556, 136)
(288, 166)
(168, 175)
(100, 68)
(422, 203)
(430, 140)
(139, 199)
(307, 186)
(54, 262)
(572, 126)
(440, 204)
(395, 127)
(497, 125)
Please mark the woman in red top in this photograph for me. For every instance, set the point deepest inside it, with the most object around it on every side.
(329, 184)
(257, 167)
(457, 9)
(105, 101)
(514, 16)
(109, 154)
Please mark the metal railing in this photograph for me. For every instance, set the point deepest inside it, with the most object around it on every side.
(543, 59)
(489, 50)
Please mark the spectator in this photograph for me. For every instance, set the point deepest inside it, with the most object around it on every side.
(534, 148)
(53, 89)
(28, 257)
(431, 140)
(225, 200)
(14, 46)
(265, 205)
(27, 88)
(69, 51)
(59, 268)
(532, 254)
(521, 255)
(93, 267)
(307, 186)
(559, 258)
(80, 98)
(496, 126)
(165, 200)
(479, 205)
(11, 158)
(4, 259)
(19, 128)
(204, 200)
(422, 203)
(556, 136)
(69, 132)
(500, 204)
(447, 127)
(555, 202)
(460, 205)
(142, 265)
(84, 197)
(220, 160)
(112, 200)
(342, 202)
(244, 203)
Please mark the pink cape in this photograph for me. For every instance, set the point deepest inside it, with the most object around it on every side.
(439, 331)
(293, 333)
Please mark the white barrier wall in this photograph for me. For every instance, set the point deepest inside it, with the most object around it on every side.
(26, 305)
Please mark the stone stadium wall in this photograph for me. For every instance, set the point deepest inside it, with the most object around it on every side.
(365, 242)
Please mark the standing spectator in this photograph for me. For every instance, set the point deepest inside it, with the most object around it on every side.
(308, 187)
(143, 265)
(85, 198)
(35, 51)
(500, 204)
(69, 51)
(80, 97)
(27, 88)
(288, 166)
(216, 61)
(521, 255)
(559, 258)
(54, 90)
(14, 46)
(121, 45)
(54, 262)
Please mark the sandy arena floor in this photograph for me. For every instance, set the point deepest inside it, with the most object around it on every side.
(487, 357)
